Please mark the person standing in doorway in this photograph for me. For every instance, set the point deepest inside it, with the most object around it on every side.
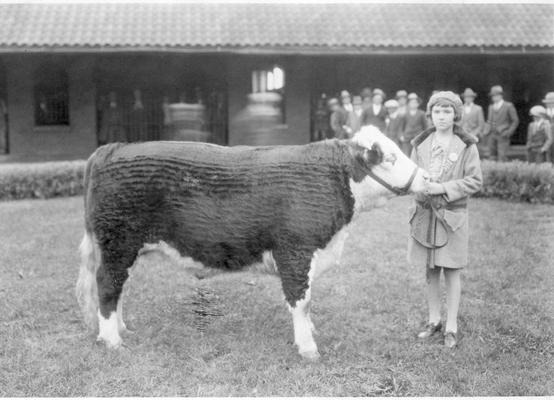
(473, 118)
(321, 119)
(111, 122)
(137, 119)
(376, 114)
(548, 102)
(4, 140)
(415, 123)
(539, 136)
(502, 122)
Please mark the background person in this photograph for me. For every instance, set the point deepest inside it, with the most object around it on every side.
(549, 104)
(539, 136)
(473, 118)
(338, 119)
(415, 123)
(354, 121)
(402, 99)
(376, 114)
(502, 122)
(452, 160)
(395, 121)
(346, 101)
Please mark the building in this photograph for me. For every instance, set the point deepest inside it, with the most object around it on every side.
(61, 63)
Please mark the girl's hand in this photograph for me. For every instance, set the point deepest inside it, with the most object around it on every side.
(434, 188)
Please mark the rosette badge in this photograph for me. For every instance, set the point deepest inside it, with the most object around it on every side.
(453, 157)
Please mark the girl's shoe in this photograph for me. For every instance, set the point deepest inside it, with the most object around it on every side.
(450, 339)
(430, 330)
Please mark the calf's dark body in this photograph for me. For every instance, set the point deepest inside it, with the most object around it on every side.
(222, 206)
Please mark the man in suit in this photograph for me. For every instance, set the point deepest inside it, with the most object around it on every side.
(502, 122)
(549, 105)
(376, 114)
(415, 123)
(473, 118)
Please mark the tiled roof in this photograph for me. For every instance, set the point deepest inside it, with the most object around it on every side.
(227, 27)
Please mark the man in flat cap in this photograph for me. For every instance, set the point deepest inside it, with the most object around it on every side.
(395, 121)
(473, 118)
(502, 122)
(415, 123)
(376, 114)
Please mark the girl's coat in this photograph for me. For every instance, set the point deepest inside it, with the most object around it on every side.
(461, 178)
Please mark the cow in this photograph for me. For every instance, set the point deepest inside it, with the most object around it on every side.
(227, 208)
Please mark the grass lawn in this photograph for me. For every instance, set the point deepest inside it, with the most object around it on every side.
(367, 314)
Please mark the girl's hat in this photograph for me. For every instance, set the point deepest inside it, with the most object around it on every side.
(549, 98)
(391, 104)
(537, 111)
(447, 98)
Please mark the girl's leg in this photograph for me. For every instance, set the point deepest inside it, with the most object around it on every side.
(434, 294)
(452, 278)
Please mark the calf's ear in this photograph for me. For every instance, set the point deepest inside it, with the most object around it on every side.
(374, 155)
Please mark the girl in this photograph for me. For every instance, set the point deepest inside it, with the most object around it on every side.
(439, 221)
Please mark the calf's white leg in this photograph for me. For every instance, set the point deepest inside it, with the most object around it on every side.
(108, 330)
(303, 328)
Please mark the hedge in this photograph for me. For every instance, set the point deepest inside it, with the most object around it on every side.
(515, 180)
(518, 181)
(41, 180)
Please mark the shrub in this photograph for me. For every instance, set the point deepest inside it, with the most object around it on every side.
(41, 180)
(519, 181)
(515, 180)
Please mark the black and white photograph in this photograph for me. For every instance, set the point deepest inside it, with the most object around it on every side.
(276, 199)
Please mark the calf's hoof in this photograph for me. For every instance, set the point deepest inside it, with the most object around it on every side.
(311, 356)
(126, 331)
(110, 344)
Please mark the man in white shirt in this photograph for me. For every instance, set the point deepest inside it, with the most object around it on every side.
(346, 101)
(376, 114)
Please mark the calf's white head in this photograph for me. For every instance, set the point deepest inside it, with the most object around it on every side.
(382, 170)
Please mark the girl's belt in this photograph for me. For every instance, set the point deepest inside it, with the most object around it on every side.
(448, 206)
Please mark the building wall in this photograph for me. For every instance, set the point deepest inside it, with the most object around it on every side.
(525, 79)
(76, 140)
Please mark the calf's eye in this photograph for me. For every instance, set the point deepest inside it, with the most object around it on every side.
(390, 158)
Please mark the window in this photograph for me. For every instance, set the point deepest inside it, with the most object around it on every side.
(51, 96)
(272, 80)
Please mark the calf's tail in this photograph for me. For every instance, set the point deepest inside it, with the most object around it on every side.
(86, 289)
